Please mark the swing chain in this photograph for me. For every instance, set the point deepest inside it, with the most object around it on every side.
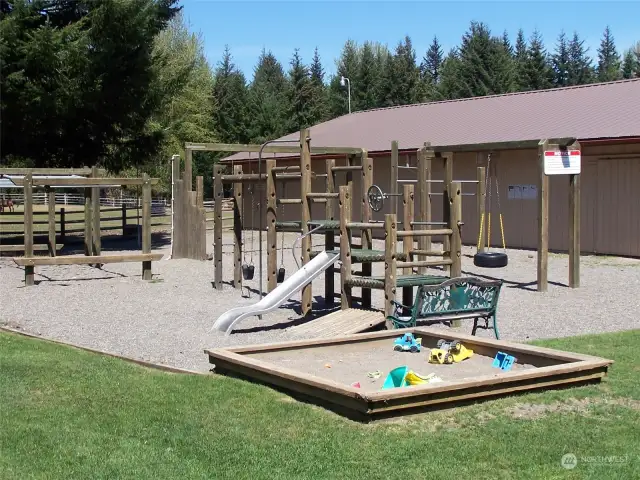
(282, 236)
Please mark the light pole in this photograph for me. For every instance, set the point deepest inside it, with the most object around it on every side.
(342, 81)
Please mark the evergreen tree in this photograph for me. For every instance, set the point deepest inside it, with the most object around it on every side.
(629, 66)
(560, 62)
(506, 43)
(637, 55)
(368, 79)
(450, 86)
(520, 59)
(608, 58)
(432, 63)
(78, 81)
(401, 81)
(268, 101)
(300, 95)
(230, 95)
(537, 73)
(580, 70)
(319, 101)
(347, 66)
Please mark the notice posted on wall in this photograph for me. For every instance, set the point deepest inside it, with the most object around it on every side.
(522, 192)
(558, 162)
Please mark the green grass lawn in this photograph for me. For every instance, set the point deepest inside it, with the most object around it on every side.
(67, 413)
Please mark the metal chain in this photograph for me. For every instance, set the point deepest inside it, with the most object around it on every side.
(252, 225)
(282, 216)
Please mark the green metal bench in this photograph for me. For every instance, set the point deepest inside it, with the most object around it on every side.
(454, 299)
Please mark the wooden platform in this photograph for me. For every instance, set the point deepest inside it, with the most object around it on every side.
(342, 322)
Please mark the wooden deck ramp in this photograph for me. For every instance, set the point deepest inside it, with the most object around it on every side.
(341, 322)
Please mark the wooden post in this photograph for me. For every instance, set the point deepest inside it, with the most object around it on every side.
(543, 219)
(394, 177)
(62, 225)
(272, 234)
(425, 160)
(345, 247)
(574, 229)
(305, 189)
(329, 235)
(446, 206)
(217, 226)
(237, 229)
(200, 191)
(88, 243)
(367, 237)
(177, 222)
(146, 225)
(408, 203)
(51, 201)
(188, 169)
(481, 197)
(95, 215)
(455, 245)
(390, 277)
(28, 228)
(124, 219)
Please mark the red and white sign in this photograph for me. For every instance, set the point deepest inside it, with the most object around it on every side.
(561, 162)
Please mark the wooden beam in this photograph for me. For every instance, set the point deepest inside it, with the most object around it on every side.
(390, 266)
(188, 169)
(455, 244)
(446, 194)
(305, 189)
(200, 191)
(86, 182)
(510, 145)
(329, 235)
(146, 227)
(95, 216)
(481, 196)
(254, 148)
(217, 225)
(237, 229)
(408, 204)
(366, 234)
(86, 171)
(51, 201)
(88, 223)
(86, 260)
(345, 247)
(28, 228)
(272, 234)
(574, 227)
(425, 161)
(394, 177)
(543, 220)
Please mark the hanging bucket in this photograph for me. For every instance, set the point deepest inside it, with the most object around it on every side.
(280, 276)
(247, 271)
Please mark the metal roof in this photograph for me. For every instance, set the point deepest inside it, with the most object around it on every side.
(597, 111)
(6, 181)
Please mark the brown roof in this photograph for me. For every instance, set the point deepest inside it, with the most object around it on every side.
(596, 111)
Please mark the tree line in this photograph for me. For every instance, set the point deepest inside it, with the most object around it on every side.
(124, 84)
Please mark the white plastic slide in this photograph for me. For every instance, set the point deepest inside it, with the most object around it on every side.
(279, 295)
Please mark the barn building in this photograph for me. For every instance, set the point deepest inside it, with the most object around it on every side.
(604, 118)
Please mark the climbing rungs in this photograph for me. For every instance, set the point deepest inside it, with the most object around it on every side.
(424, 233)
(288, 201)
(288, 168)
(322, 195)
(347, 168)
(365, 225)
(425, 263)
(428, 253)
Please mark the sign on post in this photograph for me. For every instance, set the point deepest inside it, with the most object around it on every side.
(557, 162)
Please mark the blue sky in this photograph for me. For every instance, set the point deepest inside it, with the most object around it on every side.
(280, 26)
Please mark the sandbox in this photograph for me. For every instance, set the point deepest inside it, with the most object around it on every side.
(325, 370)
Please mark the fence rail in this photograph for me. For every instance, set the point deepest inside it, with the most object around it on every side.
(42, 198)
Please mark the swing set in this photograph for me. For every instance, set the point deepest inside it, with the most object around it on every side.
(488, 259)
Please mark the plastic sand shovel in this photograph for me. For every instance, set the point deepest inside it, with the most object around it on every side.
(396, 378)
(414, 378)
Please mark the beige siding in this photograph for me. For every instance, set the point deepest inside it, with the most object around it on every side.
(610, 197)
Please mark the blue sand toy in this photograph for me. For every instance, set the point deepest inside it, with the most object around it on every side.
(396, 378)
(407, 343)
(503, 361)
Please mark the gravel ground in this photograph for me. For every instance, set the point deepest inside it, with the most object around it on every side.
(169, 319)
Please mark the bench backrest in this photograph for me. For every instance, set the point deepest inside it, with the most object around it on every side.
(457, 295)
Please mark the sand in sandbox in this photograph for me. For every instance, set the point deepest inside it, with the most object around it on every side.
(349, 363)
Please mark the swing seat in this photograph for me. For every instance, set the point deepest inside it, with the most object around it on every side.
(248, 271)
(490, 259)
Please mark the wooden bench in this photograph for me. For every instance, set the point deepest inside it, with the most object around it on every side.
(458, 298)
(30, 262)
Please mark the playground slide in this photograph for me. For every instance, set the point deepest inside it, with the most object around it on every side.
(279, 295)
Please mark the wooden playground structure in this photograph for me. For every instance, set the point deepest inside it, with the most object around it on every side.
(91, 181)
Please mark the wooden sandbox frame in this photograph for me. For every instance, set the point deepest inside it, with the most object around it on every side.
(555, 369)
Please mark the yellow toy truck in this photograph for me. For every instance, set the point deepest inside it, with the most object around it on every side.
(449, 352)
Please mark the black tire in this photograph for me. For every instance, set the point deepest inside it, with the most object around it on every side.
(440, 343)
(455, 346)
(490, 259)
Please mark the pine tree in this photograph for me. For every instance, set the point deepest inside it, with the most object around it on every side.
(368, 79)
(401, 82)
(319, 101)
(432, 63)
(608, 58)
(347, 66)
(580, 70)
(629, 66)
(230, 96)
(560, 62)
(538, 73)
(520, 59)
(506, 43)
(268, 101)
(637, 55)
(450, 86)
(300, 95)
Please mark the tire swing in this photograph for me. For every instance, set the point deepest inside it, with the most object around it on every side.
(248, 269)
(281, 271)
(491, 259)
